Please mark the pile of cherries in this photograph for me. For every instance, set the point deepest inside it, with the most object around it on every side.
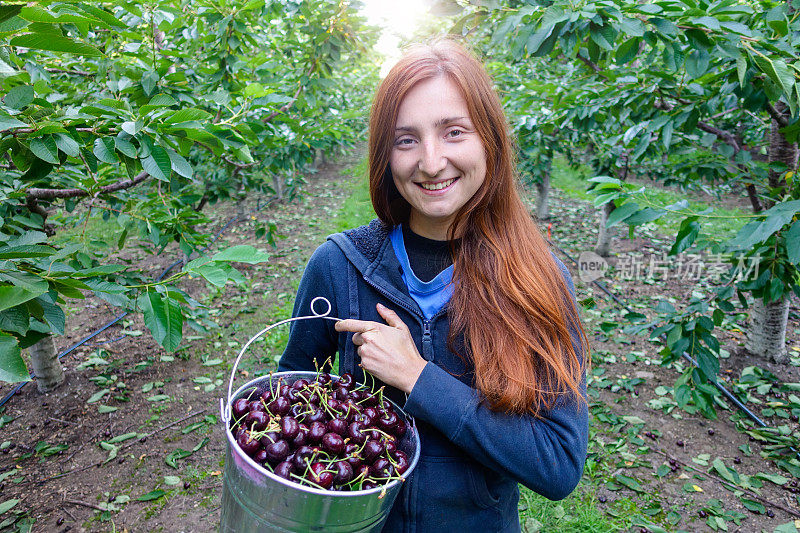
(329, 433)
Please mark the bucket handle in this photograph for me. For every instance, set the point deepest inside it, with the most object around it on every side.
(314, 314)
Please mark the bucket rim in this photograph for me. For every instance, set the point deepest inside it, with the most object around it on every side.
(226, 407)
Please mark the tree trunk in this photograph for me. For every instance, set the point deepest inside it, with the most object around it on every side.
(319, 157)
(780, 151)
(277, 184)
(603, 247)
(766, 334)
(543, 197)
(46, 366)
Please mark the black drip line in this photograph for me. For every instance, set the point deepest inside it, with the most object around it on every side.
(113, 321)
(725, 392)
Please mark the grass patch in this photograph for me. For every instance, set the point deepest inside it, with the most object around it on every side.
(357, 208)
(726, 222)
(577, 513)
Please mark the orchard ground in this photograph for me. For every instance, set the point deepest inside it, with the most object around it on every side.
(133, 441)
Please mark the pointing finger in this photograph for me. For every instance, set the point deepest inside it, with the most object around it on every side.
(355, 326)
(391, 317)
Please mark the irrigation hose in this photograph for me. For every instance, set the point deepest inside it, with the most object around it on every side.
(725, 392)
(161, 276)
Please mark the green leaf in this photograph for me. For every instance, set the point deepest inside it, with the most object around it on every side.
(620, 213)
(9, 11)
(163, 318)
(55, 43)
(8, 504)
(103, 409)
(152, 495)
(13, 295)
(687, 234)
(19, 97)
(97, 396)
(648, 214)
(212, 273)
(179, 164)
(6, 123)
(104, 150)
(158, 163)
(741, 68)
(778, 72)
(538, 38)
(149, 81)
(45, 149)
(627, 51)
(629, 482)
(241, 254)
(67, 144)
(12, 366)
(187, 115)
(125, 146)
(793, 243)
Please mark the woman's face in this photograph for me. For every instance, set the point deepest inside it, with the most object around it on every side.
(438, 161)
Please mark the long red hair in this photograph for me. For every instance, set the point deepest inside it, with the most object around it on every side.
(510, 301)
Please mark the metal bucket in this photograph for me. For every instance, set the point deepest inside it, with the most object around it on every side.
(256, 500)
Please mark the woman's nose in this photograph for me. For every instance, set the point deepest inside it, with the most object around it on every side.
(432, 160)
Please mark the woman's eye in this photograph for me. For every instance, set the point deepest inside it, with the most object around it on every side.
(403, 142)
(455, 133)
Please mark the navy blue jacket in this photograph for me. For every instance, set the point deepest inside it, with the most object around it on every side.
(471, 458)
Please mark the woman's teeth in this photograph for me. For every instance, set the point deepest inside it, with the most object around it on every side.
(436, 186)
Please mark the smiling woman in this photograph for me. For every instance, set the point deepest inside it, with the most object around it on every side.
(454, 303)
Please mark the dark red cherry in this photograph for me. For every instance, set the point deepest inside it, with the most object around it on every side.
(355, 432)
(300, 384)
(269, 438)
(279, 406)
(248, 444)
(284, 469)
(344, 472)
(257, 420)
(401, 460)
(333, 443)
(371, 412)
(257, 406)
(321, 476)
(324, 378)
(300, 455)
(289, 427)
(400, 427)
(368, 485)
(240, 408)
(337, 425)
(277, 451)
(381, 468)
(315, 416)
(346, 380)
(315, 432)
(388, 422)
(391, 446)
(261, 456)
(372, 449)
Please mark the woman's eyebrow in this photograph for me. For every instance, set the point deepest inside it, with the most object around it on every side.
(438, 123)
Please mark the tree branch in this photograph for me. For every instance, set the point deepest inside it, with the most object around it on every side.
(776, 115)
(597, 70)
(284, 107)
(75, 72)
(50, 194)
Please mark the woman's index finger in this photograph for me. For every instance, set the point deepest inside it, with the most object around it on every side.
(354, 326)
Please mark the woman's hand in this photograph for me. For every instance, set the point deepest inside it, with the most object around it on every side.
(387, 351)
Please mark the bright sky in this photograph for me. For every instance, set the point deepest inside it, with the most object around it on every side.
(398, 19)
